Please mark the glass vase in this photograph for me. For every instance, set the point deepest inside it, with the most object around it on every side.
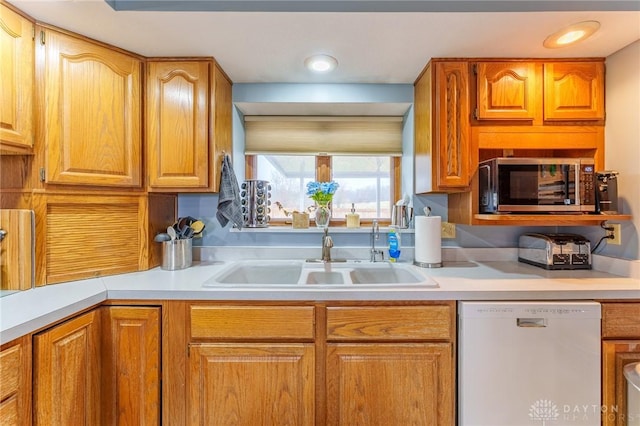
(323, 215)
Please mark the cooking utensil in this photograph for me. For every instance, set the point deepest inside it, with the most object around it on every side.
(172, 233)
(163, 236)
(197, 226)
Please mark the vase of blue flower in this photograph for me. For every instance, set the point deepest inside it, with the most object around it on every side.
(322, 194)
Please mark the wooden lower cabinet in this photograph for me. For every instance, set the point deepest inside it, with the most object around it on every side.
(615, 355)
(67, 373)
(15, 382)
(99, 368)
(389, 384)
(131, 365)
(620, 346)
(251, 384)
(304, 363)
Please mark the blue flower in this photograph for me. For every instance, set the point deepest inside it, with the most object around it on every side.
(322, 192)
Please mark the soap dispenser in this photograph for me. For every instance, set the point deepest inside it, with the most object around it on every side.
(353, 218)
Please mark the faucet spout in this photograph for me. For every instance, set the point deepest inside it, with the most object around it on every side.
(376, 255)
(327, 243)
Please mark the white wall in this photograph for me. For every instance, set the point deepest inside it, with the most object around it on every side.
(622, 141)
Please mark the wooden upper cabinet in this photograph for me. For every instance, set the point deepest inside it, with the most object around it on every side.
(442, 128)
(222, 123)
(574, 91)
(506, 90)
(177, 123)
(16, 84)
(188, 124)
(92, 112)
(452, 124)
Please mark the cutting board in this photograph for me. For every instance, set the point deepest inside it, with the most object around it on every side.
(17, 249)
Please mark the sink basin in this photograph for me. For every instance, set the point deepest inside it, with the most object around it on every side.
(366, 275)
(293, 273)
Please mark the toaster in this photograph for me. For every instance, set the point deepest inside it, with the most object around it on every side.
(555, 251)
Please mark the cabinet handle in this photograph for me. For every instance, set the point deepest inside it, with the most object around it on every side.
(532, 322)
(3, 234)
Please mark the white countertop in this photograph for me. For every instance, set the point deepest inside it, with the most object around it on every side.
(459, 279)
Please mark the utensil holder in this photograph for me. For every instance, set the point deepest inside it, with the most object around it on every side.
(177, 254)
(401, 216)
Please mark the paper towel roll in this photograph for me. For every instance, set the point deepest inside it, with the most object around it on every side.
(428, 241)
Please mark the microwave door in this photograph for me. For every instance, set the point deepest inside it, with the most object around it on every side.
(536, 187)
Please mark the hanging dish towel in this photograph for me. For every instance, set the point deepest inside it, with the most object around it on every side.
(229, 207)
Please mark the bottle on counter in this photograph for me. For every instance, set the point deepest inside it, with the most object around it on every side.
(353, 218)
(394, 245)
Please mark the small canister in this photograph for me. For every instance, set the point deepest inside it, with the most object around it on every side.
(177, 254)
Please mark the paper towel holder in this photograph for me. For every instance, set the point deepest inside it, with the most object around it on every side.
(428, 265)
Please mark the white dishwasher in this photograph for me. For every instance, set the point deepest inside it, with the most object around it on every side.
(528, 363)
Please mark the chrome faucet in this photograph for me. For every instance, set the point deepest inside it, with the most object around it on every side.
(327, 243)
(376, 255)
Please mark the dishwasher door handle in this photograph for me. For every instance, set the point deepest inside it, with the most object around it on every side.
(532, 322)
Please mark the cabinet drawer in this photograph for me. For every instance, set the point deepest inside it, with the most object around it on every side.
(252, 322)
(9, 371)
(9, 411)
(390, 323)
(621, 320)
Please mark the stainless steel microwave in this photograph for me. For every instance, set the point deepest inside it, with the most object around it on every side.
(536, 185)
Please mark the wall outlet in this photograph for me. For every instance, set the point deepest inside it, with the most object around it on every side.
(448, 230)
(617, 234)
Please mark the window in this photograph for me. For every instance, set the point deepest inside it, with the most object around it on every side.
(366, 181)
(362, 154)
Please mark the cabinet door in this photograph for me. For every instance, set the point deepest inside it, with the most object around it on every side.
(452, 124)
(131, 365)
(16, 84)
(222, 127)
(177, 124)
(67, 373)
(506, 90)
(574, 91)
(390, 384)
(251, 384)
(615, 355)
(92, 119)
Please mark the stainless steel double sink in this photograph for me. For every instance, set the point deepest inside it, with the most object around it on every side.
(295, 273)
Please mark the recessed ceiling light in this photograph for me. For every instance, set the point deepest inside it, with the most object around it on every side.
(320, 63)
(571, 34)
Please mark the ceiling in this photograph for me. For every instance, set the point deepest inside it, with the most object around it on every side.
(375, 41)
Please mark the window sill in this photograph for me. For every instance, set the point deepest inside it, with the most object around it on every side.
(316, 230)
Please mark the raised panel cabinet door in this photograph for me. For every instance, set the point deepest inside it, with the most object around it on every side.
(574, 91)
(251, 384)
(131, 365)
(66, 377)
(615, 355)
(16, 84)
(92, 113)
(390, 384)
(506, 90)
(453, 125)
(177, 124)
